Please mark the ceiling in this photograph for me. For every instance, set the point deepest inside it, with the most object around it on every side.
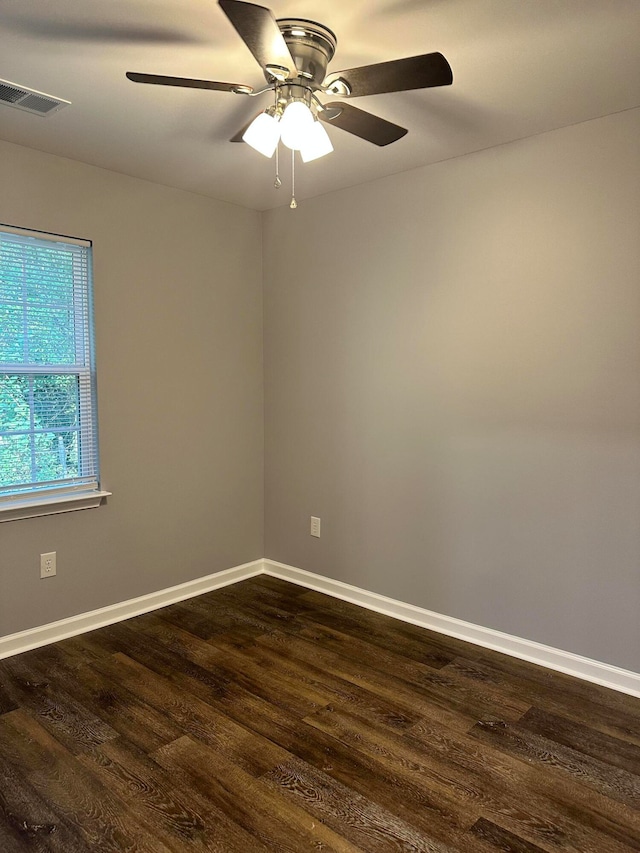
(521, 67)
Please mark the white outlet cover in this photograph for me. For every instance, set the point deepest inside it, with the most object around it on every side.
(48, 564)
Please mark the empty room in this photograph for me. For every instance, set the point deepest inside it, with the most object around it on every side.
(320, 426)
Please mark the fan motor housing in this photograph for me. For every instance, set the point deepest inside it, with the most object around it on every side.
(311, 45)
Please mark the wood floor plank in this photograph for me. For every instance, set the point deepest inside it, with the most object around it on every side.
(6, 703)
(574, 793)
(195, 717)
(68, 720)
(10, 841)
(272, 822)
(205, 617)
(283, 736)
(614, 783)
(118, 707)
(394, 665)
(215, 680)
(372, 656)
(435, 688)
(227, 659)
(583, 739)
(27, 822)
(360, 773)
(266, 718)
(467, 788)
(353, 816)
(103, 820)
(530, 680)
(182, 819)
(554, 692)
(502, 839)
(382, 631)
(552, 813)
(330, 687)
(245, 610)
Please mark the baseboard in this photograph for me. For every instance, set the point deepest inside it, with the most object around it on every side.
(14, 644)
(589, 670)
(571, 664)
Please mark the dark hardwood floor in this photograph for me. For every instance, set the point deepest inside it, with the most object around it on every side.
(264, 717)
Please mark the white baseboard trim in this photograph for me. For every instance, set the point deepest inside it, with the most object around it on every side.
(571, 664)
(14, 644)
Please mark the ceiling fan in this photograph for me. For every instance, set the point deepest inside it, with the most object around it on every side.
(294, 54)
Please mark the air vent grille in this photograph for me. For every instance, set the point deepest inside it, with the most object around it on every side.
(10, 95)
(29, 100)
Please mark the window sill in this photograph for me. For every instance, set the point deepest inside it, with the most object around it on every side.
(32, 507)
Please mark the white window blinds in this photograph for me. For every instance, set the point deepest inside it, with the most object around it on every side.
(48, 442)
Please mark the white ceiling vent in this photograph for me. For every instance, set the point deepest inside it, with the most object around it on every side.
(29, 100)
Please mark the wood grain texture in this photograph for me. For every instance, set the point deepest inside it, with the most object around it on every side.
(264, 717)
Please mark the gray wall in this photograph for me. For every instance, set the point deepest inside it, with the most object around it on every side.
(452, 384)
(179, 348)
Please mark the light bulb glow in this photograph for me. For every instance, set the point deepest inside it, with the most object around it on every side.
(295, 125)
(263, 134)
(317, 143)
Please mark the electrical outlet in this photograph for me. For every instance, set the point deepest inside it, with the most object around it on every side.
(315, 526)
(48, 564)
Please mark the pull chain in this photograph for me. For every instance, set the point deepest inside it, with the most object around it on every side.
(293, 203)
(277, 183)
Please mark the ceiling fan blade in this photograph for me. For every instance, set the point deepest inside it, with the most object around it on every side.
(188, 83)
(362, 124)
(95, 27)
(399, 75)
(258, 28)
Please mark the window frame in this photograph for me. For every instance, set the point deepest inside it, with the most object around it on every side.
(44, 498)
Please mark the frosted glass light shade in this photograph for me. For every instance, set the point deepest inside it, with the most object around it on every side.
(263, 134)
(316, 144)
(295, 125)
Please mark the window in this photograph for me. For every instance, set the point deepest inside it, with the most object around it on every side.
(48, 429)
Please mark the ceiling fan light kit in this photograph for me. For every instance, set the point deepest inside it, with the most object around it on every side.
(317, 144)
(292, 122)
(295, 125)
(263, 134)
(294, 54)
